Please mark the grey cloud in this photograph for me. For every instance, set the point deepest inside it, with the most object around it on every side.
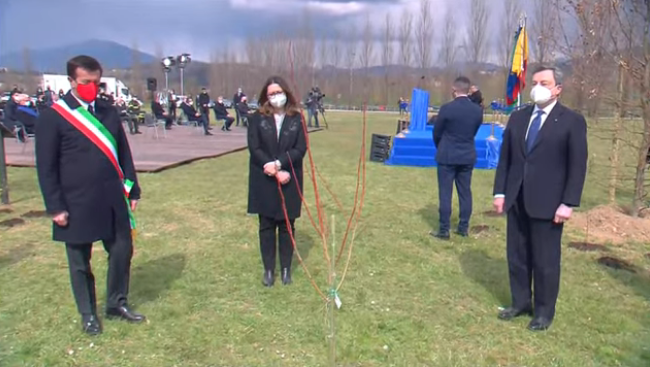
(200, 25)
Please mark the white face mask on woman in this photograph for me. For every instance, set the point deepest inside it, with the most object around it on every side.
(278, 100)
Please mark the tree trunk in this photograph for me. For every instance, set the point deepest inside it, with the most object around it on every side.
(614, 157)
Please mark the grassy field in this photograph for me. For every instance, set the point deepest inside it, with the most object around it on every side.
(408, 300)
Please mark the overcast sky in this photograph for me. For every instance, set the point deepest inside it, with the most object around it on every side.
(194, 26)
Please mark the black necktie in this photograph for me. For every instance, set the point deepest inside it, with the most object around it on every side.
(91, 110)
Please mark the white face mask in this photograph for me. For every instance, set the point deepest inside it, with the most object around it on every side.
(278, 100)
(540, 94)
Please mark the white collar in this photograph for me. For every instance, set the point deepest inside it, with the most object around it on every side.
(547, 110)
(84, 104)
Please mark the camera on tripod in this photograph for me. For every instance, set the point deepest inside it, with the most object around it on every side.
(317, 96)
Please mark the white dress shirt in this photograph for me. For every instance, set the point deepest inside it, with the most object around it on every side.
(547, 110)
(279, 119)
(84, 104)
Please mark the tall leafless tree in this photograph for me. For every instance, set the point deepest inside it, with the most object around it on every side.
(367, 53)
(137, 79)
(388, 55)
(509, 23)
(28, 68)
(424, 37)
(351, 47)
(478, 32)
(543, 31)
(405, 41)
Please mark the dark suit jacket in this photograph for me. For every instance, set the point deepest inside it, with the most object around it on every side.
(554, 171)
(75, 176)
(264, 147)
(189, 111)
(454, 130)
(157, 110)
(220, 110)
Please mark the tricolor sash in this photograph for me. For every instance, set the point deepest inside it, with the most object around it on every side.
(94, 130)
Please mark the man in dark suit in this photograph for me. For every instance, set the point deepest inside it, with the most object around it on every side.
(236, 99)
(89, 185)
(193, 116)
(453, 134)
(203, 102)
(539, 179)
(159, 112)
(221, 113)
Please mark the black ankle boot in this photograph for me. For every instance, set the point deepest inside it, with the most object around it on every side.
(286, 276)
(268, 279)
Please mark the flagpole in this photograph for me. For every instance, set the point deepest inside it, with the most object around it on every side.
(522, 23)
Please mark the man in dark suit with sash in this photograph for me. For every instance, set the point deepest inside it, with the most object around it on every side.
(89, 185)
(539, 180)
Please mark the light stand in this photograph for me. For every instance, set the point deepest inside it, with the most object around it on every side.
(181, 61)
(167, 64)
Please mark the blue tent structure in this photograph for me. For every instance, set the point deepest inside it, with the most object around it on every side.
(415, 147)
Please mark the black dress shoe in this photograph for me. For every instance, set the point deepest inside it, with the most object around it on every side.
(90, 325)
(539, 324)
(268, 279)
(208, 133)
(124, 313)
(462, 233)
(442, 235)
(286, 276)
(511, 313)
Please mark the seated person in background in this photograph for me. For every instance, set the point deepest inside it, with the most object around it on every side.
(475, 95)
(194, 116)
(159, 112)
(221, 113)
(10, 110)
(120, 105)
(242, 108)
(134, 110)
(27, 114)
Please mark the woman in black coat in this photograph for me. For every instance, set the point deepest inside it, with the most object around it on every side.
(277, 144)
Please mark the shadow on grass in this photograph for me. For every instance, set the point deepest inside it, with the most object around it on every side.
(16, 255)
(430, 215)
(151, 279)
(489, 272)
(639, 282)
(305, 242)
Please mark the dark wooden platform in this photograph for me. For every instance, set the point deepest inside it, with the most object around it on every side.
(182, 145)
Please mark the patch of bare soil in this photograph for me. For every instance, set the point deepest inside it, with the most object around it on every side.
(35, 214)
(604, 224)
(479, 229)
(5, 210)
(12, 222)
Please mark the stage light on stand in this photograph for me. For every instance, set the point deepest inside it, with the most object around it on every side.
(167, 64)
(182, 60)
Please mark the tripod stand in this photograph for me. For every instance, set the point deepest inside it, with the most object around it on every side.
(321, 110)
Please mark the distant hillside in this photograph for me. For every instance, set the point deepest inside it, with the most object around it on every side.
(111, 54)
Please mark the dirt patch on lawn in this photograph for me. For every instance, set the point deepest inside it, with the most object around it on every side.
(605, 224)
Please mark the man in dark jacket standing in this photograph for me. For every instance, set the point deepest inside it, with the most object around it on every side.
(539, 180)
(236, 99)
(453, 134)
(89, 185)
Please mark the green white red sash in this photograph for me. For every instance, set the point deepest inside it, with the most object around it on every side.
(94, 130)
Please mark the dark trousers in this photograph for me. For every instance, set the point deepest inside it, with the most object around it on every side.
(132, 122)
(201, 120)
(462, 176)
(206, 112)
(227, 121)
(237, 115)
(271, 231)
(534, 251)
(120, 252)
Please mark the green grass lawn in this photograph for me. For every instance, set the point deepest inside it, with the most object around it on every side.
(408, 300)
